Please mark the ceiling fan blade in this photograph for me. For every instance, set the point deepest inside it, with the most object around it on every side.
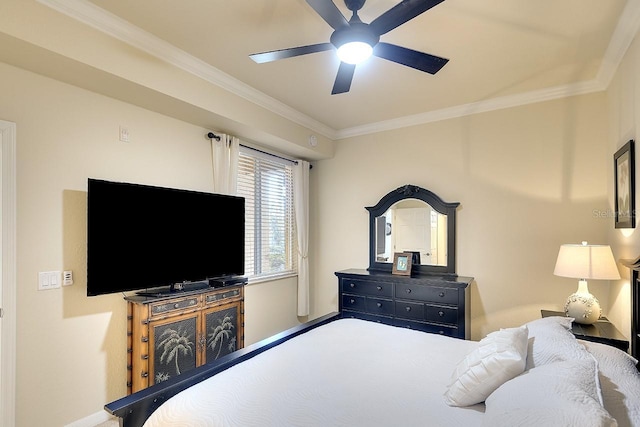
(411, 58)
(274, 55)
(328, 10)
(401, 13)
(344, 78)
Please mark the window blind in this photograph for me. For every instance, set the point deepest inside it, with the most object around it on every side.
(266, 183)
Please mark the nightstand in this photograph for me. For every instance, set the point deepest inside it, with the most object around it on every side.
(602, 331)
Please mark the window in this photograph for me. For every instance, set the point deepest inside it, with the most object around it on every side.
(266, 183)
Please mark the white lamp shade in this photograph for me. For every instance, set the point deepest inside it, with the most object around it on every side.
(586, 262)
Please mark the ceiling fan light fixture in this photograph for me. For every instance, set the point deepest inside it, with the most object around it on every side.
(354, 52)
(354, 43)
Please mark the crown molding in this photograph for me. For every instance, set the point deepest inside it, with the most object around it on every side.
(621, 39)
(484, 106)
(102, 20)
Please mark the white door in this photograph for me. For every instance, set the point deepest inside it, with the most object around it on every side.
(413, 232)
(7, 272)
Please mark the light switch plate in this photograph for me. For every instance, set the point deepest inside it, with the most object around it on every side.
(48, 280)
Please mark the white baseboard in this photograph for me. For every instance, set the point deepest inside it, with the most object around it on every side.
(92, 420)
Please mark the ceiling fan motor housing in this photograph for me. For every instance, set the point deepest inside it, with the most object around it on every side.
(354, 5)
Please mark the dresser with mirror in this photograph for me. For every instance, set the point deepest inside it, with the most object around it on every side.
(410, 222)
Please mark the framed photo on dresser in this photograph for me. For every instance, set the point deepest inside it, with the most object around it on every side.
(402, 263)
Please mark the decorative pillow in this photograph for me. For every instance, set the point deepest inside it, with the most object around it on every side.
(557, 394)
(499, 357)
(551, 340)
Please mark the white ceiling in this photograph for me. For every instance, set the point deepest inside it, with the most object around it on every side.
(501, 53)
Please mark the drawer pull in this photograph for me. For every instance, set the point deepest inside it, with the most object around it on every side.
(408, 308)
(408, 290)
(441, 313)
(441, 294)
(353, 285)
(352, 301)
(379, 288)
(176, 305)
(379, 304)
(441, 332)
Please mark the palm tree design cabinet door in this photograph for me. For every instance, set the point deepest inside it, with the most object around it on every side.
(174, 344)
(222, 333)
(169, 336)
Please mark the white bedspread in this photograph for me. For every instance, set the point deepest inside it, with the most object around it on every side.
(386, 376)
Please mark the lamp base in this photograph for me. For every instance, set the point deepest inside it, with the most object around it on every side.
(583, 307)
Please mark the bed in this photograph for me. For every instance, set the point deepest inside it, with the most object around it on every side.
(351, 372)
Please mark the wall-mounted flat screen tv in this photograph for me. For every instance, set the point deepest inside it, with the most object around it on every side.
(142, 237)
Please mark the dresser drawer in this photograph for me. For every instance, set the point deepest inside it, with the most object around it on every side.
(379, 306)
(387, 320)
(442, 314)
(449, 331)
(354, 302)
(363, 287)
(427, 293)
(410, 310)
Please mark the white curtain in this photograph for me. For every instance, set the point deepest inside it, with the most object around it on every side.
(225, 152)
(301, 207)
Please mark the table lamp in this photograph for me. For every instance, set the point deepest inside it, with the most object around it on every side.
(585, 262)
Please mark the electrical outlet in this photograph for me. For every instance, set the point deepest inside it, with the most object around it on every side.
(67, 278)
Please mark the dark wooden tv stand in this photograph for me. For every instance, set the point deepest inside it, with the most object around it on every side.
(171, 334)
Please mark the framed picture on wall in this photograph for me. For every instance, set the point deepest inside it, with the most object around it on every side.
(624, 171)
(402, 263)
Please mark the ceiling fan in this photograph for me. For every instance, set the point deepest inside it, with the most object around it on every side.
(362, 40)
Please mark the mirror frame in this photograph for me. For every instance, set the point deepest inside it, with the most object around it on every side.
(414, 192)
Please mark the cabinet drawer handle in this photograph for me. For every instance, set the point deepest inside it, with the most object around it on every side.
(408, 290)
(144, 374)
(441, 332)
(352, 301)
(441, 294)
(407, 308)
(176, 305)
(379, 288)
(441, 313)
(353, 285)
(379, 304)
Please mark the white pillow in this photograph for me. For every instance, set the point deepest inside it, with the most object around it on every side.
(619, 380)
(551, 340)
(499, 357)
(557, 394)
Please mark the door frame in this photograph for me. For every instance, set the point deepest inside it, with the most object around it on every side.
(8, 277)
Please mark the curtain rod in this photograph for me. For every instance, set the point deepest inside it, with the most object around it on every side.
(212, 135)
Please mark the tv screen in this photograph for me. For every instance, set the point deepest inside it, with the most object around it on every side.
(141, 237)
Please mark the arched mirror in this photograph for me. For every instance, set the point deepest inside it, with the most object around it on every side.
(412, 219)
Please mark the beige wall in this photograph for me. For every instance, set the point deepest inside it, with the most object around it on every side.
(71, 349)
(528, 179)
(623, 101)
